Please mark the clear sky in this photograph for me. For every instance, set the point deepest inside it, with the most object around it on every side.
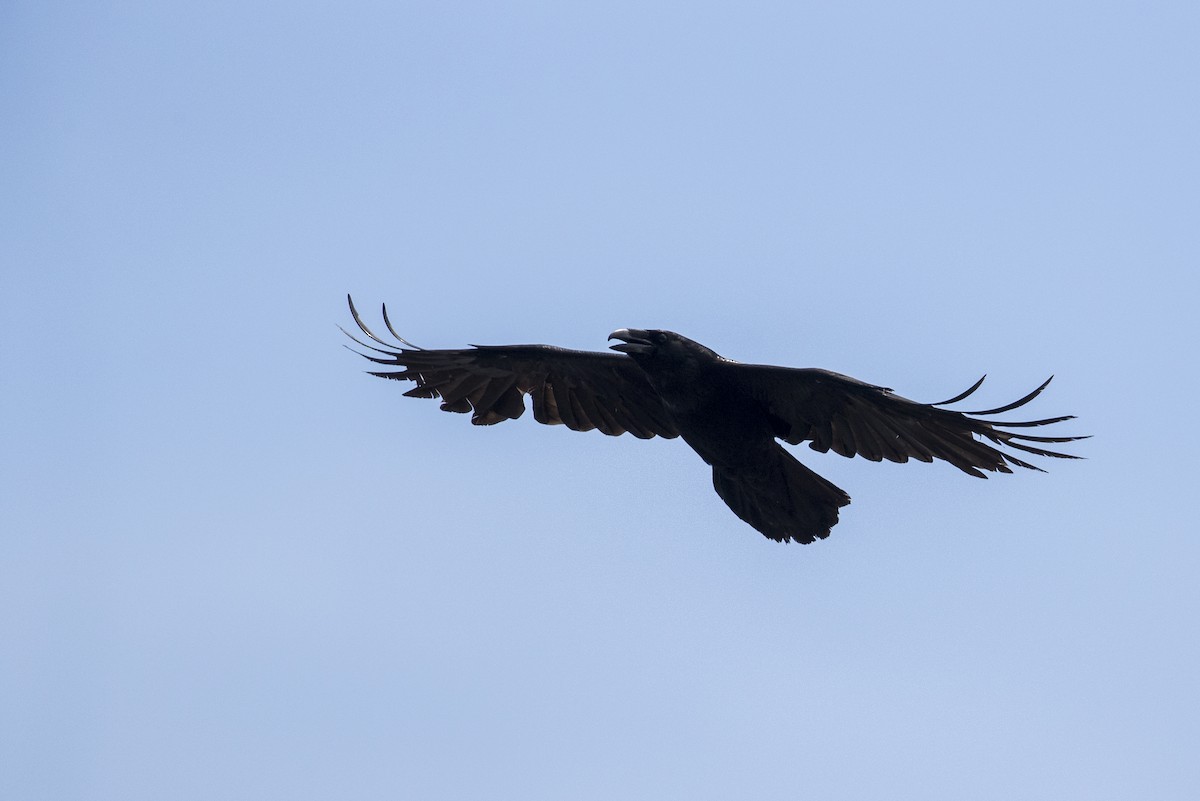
(235, 567)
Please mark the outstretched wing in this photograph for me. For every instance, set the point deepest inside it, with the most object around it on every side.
(582, 390)
(835, 412)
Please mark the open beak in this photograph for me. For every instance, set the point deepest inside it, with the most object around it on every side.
(633, 340)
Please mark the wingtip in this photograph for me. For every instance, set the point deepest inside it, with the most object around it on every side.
(388, 322)
(964, 394)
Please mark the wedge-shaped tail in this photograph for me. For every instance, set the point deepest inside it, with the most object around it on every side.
(779, 496)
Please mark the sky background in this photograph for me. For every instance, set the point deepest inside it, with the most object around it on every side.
(232, 566)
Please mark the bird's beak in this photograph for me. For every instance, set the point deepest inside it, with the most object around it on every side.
(633, 340)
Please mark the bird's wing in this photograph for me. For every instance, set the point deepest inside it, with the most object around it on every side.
(835, 412)
(579, 389)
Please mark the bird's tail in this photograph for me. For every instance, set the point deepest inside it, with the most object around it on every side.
(780, 497)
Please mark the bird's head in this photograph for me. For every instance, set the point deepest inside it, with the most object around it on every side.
(657, 346)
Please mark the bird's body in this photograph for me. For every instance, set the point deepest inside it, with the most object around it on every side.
(732, 414)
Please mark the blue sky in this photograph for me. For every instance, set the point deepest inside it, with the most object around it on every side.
(236, 567)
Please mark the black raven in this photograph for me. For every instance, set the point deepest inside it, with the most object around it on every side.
(663, 384)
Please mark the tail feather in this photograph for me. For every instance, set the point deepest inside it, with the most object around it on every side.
(780, 497)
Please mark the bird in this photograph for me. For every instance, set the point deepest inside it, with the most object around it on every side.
(656, 383)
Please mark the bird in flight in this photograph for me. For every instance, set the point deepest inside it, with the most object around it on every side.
(659, 383)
